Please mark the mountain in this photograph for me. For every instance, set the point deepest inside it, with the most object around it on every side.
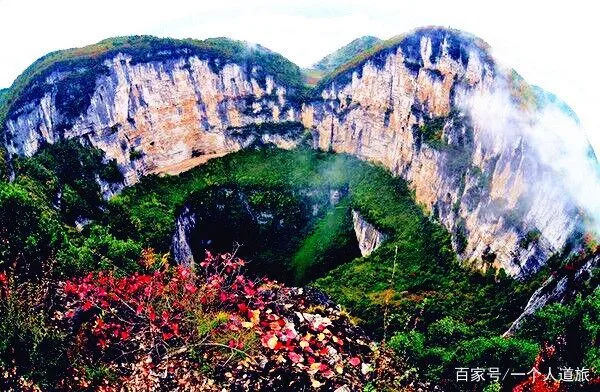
(342, 55)
(119, 95)
(345, 53)
(435, 108)
(407, 188)
(412, 104)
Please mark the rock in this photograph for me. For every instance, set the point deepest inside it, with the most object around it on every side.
(169, 111)
(369, 238)
(182, 250)
(557, 288)
(415, 108)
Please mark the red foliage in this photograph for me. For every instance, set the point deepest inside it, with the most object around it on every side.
(4, 291)
(538, 383)
(145, 321)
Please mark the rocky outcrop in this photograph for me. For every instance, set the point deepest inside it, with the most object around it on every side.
(181, 247)
(369, 238)
(415, 107)
(560, 287)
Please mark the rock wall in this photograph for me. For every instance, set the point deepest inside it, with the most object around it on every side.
(156, 114)
(369, 238)
(407, 109)
(180, 243)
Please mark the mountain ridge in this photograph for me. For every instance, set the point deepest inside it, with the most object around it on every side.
(150, 47)
(345, 53)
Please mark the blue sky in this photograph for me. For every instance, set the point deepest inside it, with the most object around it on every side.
(550, 43)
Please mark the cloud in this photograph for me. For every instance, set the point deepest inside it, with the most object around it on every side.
(559, 143)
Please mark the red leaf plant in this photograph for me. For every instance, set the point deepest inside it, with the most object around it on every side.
(211, 327)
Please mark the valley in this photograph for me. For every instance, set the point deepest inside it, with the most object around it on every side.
(374, 223)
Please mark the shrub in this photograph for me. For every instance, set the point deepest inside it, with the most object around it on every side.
(30, 347)
(550, 322)
(432, 132)
(495, 352)
(448, 331)
(530, 237)
(493, 387)
(163, 320)
(29, 230)
(135, 155)
(97, 250)
(408, 344)
(573, 326)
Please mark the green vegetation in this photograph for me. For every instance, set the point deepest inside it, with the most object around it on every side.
(25, 330)
(97, 250)
(267, 222)
(437, 314)
(432, 132)
(345, 53)
(328, 245)
(135, 154)
(451, 348)
(4, 171)
(65, 173)
(530, 237)
(577, 323)
(29, 229)
(3, 94)
(284, 186)
(381, 48)
(431, 296)
(50, 193)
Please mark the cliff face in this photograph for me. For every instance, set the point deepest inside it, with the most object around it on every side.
(369, 238)
(411, 108)
(181, 247)
(432, 106)
(561, 287)
(154, 115)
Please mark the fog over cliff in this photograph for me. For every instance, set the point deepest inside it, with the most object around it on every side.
(554, 135)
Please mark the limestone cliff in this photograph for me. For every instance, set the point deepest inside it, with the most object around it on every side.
(369, 238)
(153, 112)
(181, 247)
(412, 106)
